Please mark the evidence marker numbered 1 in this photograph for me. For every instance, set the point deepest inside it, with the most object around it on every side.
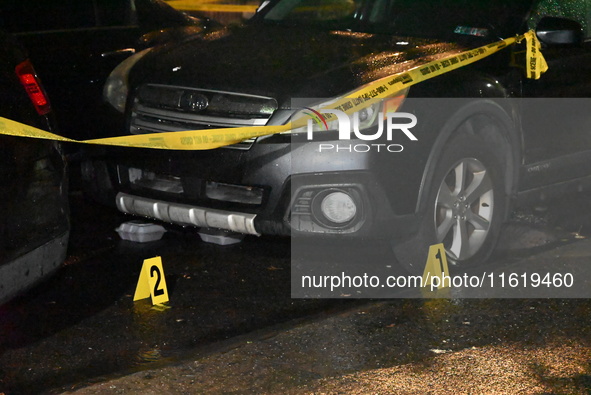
(436, 266)
(152, 282)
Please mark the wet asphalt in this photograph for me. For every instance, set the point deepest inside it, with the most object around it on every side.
(82, 326)
(434, 346)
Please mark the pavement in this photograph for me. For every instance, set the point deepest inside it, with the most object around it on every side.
(452, 344)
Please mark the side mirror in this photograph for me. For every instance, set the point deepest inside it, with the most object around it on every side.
(554, 31)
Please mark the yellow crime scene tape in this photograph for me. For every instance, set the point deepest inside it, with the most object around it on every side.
(354, 101)
(187, 5)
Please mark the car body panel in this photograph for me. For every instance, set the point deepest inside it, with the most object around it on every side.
(75, 44)
(313, 63)
(34, 212)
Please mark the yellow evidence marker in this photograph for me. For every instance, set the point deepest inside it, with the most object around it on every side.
(436, 267)
(152, 282)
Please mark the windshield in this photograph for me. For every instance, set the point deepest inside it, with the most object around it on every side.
(422, 18)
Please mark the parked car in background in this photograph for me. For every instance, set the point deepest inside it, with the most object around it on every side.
(75, 44)
(472, 159)
(34, 215)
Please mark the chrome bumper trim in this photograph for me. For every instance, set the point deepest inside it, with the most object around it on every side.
(183, 214)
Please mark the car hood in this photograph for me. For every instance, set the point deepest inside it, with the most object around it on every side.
(284, 62)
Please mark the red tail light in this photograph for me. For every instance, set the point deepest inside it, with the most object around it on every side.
(27, 76)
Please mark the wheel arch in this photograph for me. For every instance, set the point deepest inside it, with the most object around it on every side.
(507, 137)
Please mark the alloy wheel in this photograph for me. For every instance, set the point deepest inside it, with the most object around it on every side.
(464, 209)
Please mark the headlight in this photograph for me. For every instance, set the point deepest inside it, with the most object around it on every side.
(117, 86)
(322, 117)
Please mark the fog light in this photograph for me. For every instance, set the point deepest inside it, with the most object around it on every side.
(338, 207)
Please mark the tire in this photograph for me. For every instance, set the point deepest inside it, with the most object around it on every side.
(464, 208)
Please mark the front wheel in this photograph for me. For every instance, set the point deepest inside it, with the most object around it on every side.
(464, 208)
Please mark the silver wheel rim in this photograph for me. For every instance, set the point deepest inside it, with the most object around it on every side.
(464, 209)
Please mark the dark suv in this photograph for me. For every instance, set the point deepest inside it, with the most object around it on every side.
(34, 216)
(482, 137)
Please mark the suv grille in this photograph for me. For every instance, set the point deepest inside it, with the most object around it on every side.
(160, 108)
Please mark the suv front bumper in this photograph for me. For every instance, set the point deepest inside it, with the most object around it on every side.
(271, 189)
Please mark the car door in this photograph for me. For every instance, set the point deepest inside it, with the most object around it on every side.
(556, 119)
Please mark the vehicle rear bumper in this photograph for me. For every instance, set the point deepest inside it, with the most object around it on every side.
(30, 268)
